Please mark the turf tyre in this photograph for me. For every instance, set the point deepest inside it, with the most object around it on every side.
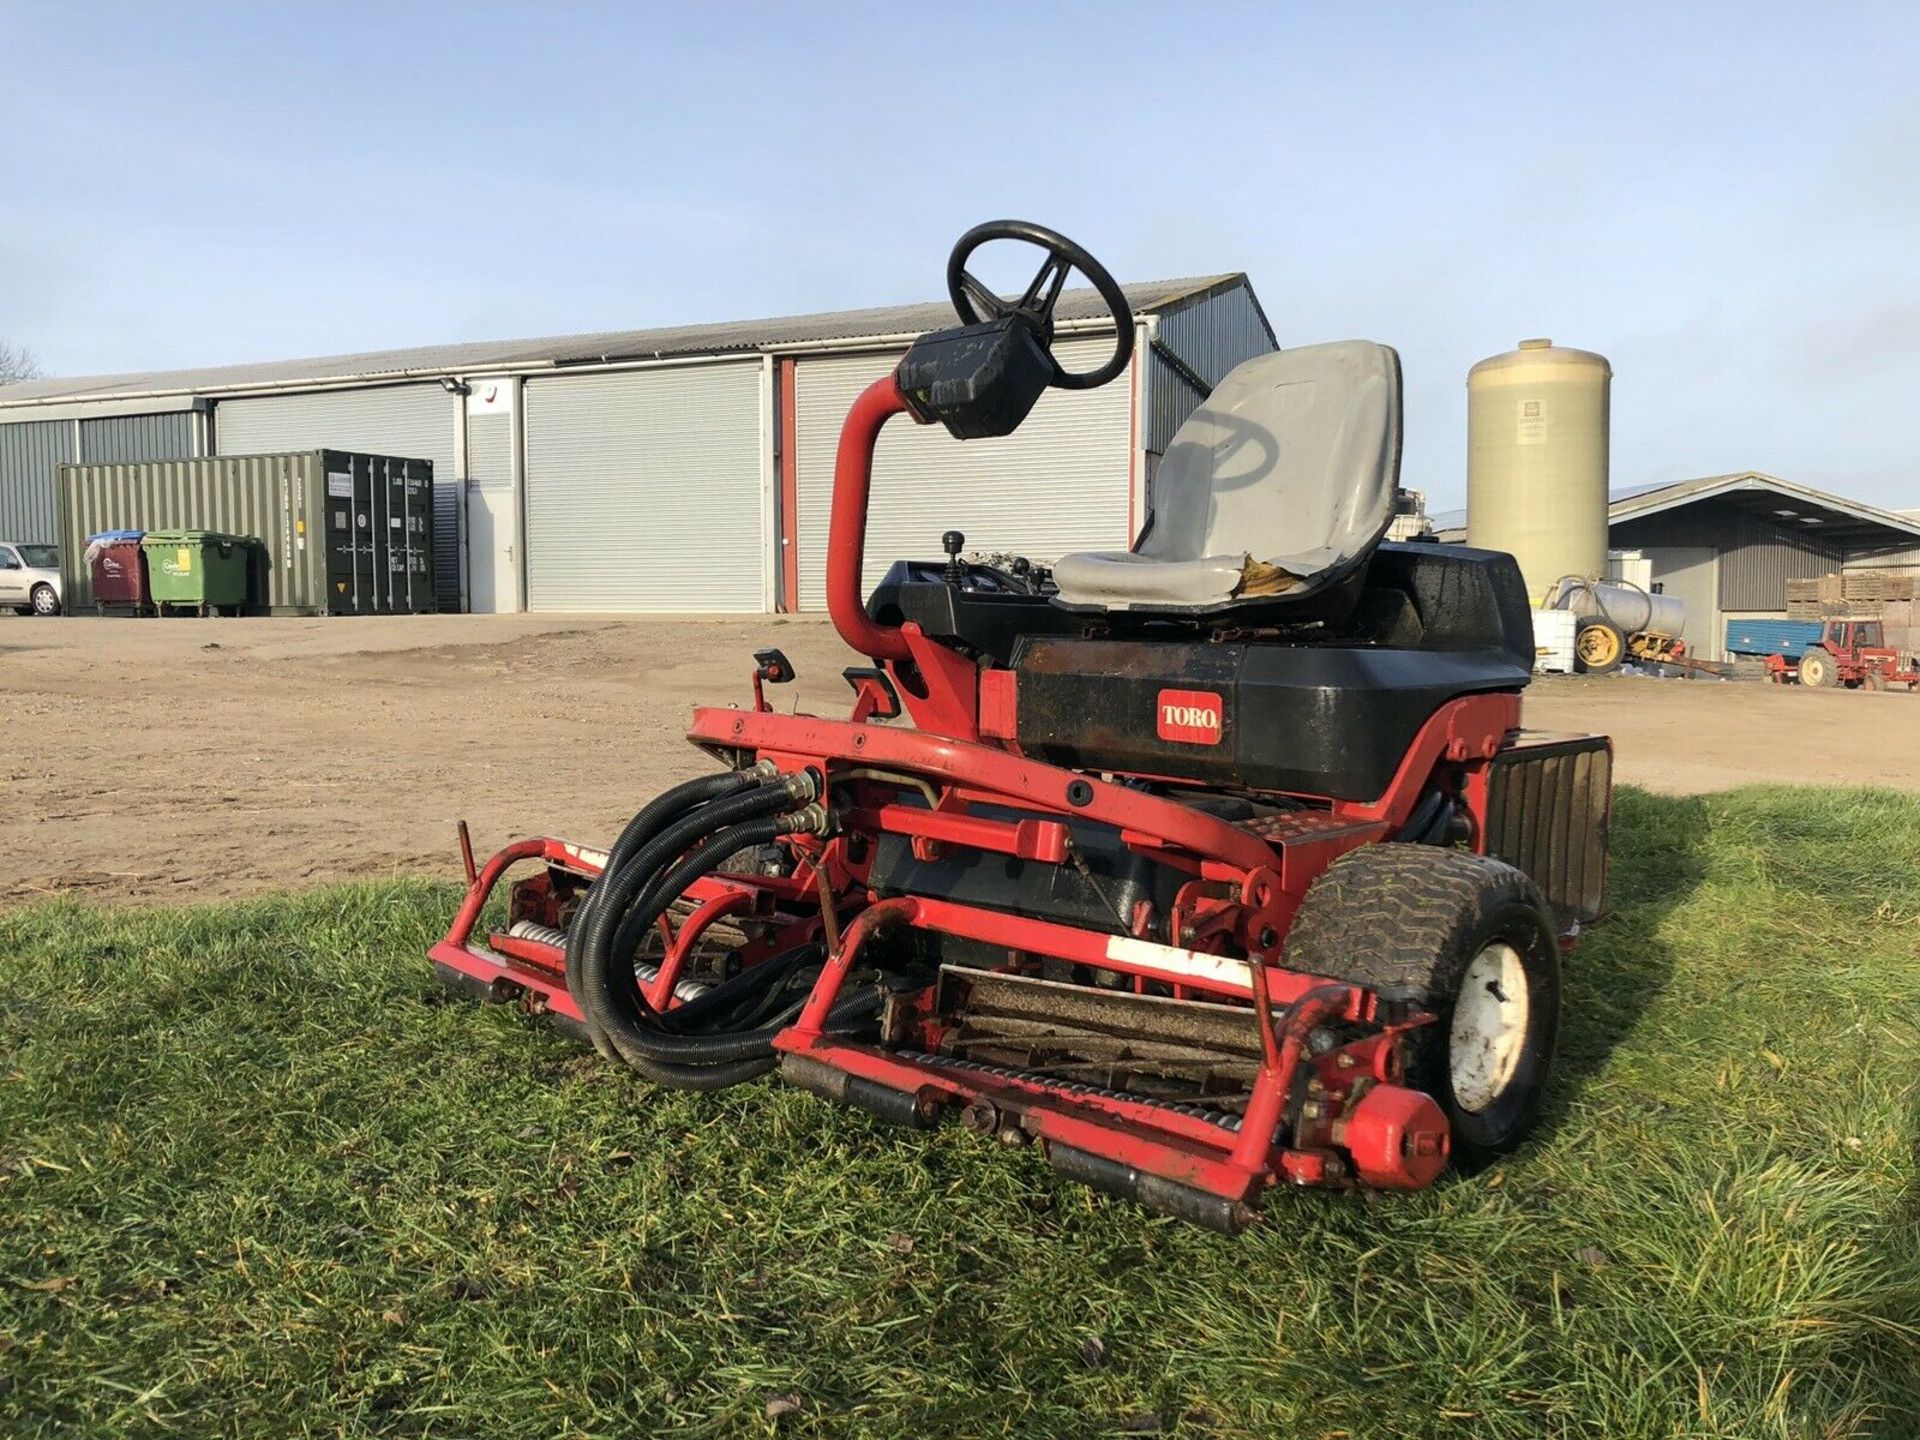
(1409, 922)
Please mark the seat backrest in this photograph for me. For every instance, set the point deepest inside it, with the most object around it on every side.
(1294, 459)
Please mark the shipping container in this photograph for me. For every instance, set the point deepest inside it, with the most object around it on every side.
(340, 533)
(1771, 637)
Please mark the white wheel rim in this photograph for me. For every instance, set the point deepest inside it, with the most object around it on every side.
(1489, 1032)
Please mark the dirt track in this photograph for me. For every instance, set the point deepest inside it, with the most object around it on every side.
(181, 760)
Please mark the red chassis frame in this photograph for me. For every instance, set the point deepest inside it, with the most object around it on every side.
(1347, 1116)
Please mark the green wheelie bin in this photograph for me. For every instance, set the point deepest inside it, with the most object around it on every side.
(199, 572)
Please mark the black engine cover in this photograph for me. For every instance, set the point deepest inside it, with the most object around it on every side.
(1316, 720)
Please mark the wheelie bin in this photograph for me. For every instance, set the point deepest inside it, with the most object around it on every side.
(198, 572)
(117, 573)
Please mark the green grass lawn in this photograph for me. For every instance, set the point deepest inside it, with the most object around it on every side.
(256, 1178)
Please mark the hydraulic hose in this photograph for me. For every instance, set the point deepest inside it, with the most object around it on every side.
(649, 820)
(667, 834)
(652, 816)
(637, 874)
(1430, 805)
(614, 1003)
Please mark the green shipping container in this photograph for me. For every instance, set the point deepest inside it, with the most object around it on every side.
(199, 570)
(337, 532)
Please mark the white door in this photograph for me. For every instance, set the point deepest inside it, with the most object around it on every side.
(491, 549)
(493, 523)
(1062, 482)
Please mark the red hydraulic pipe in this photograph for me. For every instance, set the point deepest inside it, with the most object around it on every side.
(1274, 1084)
(826, 990)
(660, 993)
(847, 537)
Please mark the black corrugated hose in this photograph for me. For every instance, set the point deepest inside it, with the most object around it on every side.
(688, 1047)
(649, 820)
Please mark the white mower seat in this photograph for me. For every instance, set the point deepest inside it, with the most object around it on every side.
(1279, 484)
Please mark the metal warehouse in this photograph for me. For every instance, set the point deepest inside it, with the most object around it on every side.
(1731, 546)
(681, 469)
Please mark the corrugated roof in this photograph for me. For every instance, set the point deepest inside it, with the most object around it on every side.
(675, 340)
(1638, 501)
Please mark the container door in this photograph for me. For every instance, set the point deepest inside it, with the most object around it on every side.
(418, 529)
(350, 575)
(391, 487)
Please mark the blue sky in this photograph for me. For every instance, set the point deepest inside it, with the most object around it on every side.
(1724, 199)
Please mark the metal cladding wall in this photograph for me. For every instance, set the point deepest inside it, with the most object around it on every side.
(649, 490)
(116, 438)
(30, 452)
(1756, 559)
(1210, 336)
(415, 420)
(1059, 483)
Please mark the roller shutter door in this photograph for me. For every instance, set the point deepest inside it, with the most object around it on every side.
(1058, 484)
(647, 490)
(412, 422)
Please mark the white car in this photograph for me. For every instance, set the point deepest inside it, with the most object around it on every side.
(30, 578)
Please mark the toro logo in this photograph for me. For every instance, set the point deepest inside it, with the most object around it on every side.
(1191, 717)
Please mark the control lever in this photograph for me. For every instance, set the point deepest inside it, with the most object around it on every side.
(953, 542)
(772, 668)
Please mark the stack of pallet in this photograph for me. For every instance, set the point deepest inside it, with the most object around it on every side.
(1861, 593)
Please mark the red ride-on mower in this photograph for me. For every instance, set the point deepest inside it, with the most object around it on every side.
(1210, 865)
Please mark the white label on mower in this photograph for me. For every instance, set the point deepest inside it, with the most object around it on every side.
(587, 856)
(1179, 965)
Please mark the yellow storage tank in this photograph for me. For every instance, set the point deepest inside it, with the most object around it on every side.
(1537, 460)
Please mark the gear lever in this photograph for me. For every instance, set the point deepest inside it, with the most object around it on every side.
(952, 542)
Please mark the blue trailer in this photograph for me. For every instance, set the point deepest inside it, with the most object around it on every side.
(1771, 637)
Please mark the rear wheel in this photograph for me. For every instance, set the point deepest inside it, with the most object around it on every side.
(1600, 647)
(45, 602)
(1817, 670)
(1466, 937)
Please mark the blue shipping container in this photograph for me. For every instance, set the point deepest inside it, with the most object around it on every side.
(1771, 637)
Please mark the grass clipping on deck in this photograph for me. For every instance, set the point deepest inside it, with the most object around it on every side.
(256, 1178)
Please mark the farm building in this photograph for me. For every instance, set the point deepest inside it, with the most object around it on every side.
(1732, 546)
(684, 469)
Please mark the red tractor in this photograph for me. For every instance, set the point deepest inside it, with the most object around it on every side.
(1853, 653)
(1215, 864)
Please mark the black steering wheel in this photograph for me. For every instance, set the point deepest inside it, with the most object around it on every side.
(1040, 297)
